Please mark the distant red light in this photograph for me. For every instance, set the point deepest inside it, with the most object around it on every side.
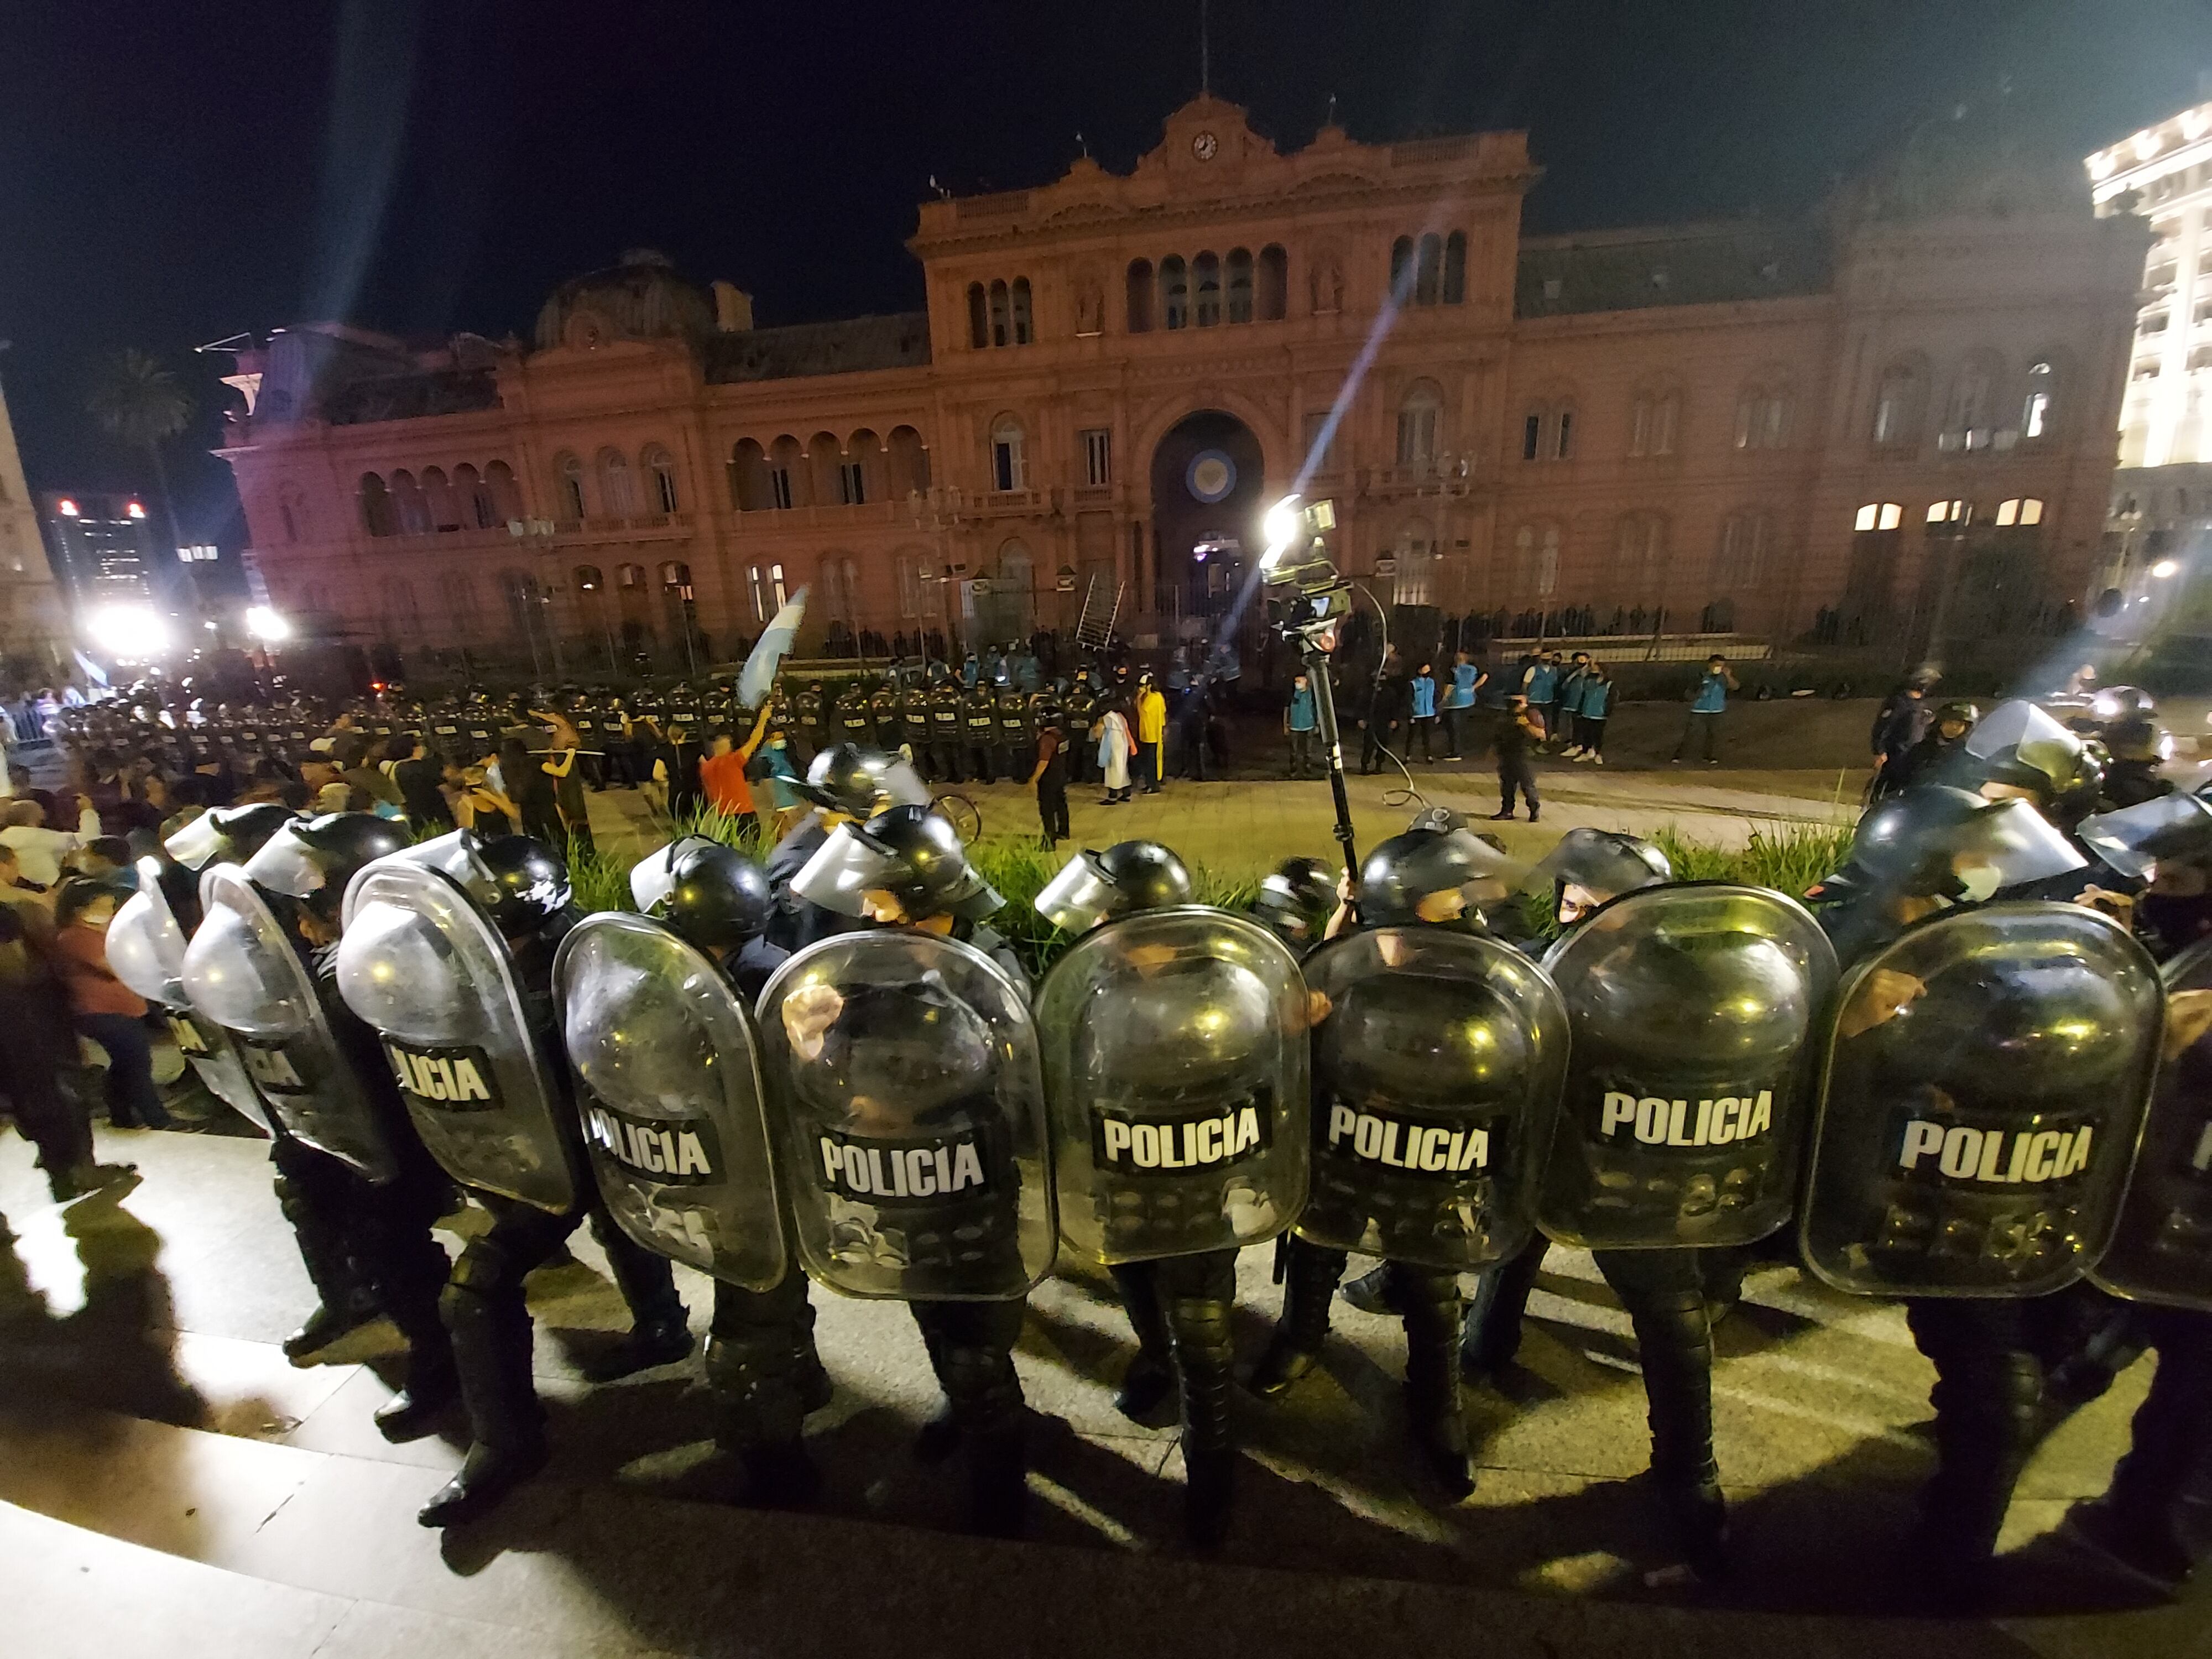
(136, 509)
(66, 508)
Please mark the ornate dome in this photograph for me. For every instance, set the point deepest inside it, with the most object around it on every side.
(1971, 162)
(640, 298)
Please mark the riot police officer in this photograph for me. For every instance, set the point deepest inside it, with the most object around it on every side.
(665, 1066)
(1175, 1066)
(387, 1222)
(1297, 901)
(947, 726)
(886, 731)
(447, 953)
(909, 1118)
(808, 718)
(1437, 1048)
(1972, 1158)
(1018, 735)
(845, 783)
(1081, 703)
(855, 723)
(914, 729)
(980, 726)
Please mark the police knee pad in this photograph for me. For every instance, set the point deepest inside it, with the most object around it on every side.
(1202, 1338)
(484, 1269)
(1428, 1301)
(981, 1383)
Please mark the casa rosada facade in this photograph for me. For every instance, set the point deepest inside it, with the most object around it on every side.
(1893, 421)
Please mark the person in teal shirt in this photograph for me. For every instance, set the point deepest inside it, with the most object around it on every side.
(1459, 703)
(1593, 705)
(1424, 713)
(1302, 720)
(1707, 705)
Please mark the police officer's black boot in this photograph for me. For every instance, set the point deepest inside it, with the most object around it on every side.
(1675, 1344)
(345, 1301)
(766, 1376)
(491, 1328)
(985, 1398)
(660, 1331)
(1199, 1299)
(1428, 1303)
(1490, 1334)
(1310, 1277)
(1988, 1416)
(409, 1268)
(1150, 1373)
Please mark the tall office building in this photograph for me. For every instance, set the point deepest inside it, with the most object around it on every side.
(103, 548)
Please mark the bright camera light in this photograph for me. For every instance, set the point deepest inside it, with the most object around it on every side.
(2164, 569)
(130, 633)
(1280, 524)
(266, 625)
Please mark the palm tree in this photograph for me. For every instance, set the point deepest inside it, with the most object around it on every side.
(137, 400)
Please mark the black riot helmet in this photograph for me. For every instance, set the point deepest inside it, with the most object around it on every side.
(226, 835)
(860, 782)
(718, 899)
(1097, 887)
(1591, 867)
(2117, 703)
(1935, 842)
(2019, 749)
(909, 853)
(312, 860)
(1957, 712)
(521, 883)
(1431, 875)
(1297, 900)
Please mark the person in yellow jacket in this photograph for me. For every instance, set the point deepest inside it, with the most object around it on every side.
(1151, 733)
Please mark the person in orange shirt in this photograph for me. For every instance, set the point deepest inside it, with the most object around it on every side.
(722, 773)
(101, 1006)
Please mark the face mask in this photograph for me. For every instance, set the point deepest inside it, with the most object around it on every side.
(1978, 881)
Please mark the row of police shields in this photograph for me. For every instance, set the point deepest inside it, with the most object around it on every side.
(934, 1133)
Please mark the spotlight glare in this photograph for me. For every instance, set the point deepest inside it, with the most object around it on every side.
(130, 633)
(266, 625)
(2164, 569)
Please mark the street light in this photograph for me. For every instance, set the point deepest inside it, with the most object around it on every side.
(2164, 569)
(129, 633)
(266, 625)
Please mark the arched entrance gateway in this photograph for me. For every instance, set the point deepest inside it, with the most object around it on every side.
(1209, 490)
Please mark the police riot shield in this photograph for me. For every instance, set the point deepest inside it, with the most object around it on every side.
(1986, 1078)
(1437, 1073)
(425, 967)
(2161, 1250)
(242, 972)
(1694, 1009)
(908, 1118)
(146, 948)
(1176, 1068)
(667, 1074)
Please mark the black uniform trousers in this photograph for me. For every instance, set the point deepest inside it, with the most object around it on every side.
(366, 1244)
(762, 1364)
(1426, 1298)
(1179, 1306)
(488, 1320)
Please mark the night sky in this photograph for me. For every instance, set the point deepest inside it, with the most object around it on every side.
(173, 173)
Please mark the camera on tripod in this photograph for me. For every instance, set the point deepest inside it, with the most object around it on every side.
(1306, 593)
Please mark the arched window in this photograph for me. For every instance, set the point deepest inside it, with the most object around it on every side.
(1205, 277)
(569, 487)
(1240, 285)
(588, 579)
(629, 577)
(661, 470)
(979, 321)
(618, 488)
(2039, 408)
(1009, 468)
(1547, 431)
(1899, 399)
(838, 579)
(1402, 270)
(506, 495)
(1879, 515)
(1001, 324)
(1456, 268)
(1274, 283)
(1970, 419)
(917, 597)
(909, 463)
(1640, 554)
(1414, 550)
(1536, 561)
(1428, 270)
(1418, 413)
(677, 575)
(1652, 420)
(1762, 416)
(2022, 511)
(458, 593)
(400, 617)
(1024, 331)
(1140, 296)
(481, 512)
(1740, 560)
(749, 481)
(786, 474)
(825, 466)
(408, 507)
(438, 501)
(860, 476)
(519, 588)
(1017, 588)
(292, 508)
(1175, 292)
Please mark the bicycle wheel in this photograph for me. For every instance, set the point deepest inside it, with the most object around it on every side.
(961, 813)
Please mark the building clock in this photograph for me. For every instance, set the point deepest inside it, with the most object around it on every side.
(1204, 145)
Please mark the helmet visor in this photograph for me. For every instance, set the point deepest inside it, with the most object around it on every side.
(284, 865)
(193, 844)
(845, 869)
(2133, 840)
(2018, 843)
(1603, 866)
(1079, 897)
(654, 876)
(2034, 737)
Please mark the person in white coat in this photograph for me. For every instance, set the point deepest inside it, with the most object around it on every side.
(1115, 745)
